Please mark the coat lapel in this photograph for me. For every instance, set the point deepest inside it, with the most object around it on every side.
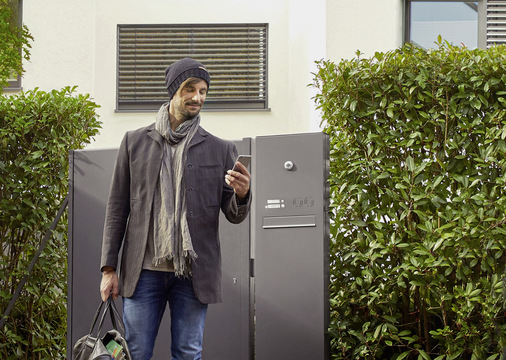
(155, 135)
(199, 137)
(153, 166)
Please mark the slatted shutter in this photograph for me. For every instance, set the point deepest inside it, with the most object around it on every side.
(496, 22)
(235, 56)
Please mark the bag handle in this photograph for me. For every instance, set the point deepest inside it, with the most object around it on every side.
(95, 317)
(115, 317)
(107, 305)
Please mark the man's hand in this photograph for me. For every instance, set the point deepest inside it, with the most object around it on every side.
(239, 180)
(109, 284)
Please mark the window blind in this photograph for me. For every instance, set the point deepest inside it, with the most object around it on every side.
(234, 55)
(496, 22)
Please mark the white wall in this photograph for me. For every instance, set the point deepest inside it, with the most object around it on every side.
(63, 46)
(366, 25)
(75, 44)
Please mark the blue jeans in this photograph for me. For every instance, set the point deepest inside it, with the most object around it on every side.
(143, 312)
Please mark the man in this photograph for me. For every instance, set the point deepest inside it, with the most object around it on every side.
(169, 182)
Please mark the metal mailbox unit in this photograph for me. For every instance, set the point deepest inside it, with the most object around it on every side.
(275, 263)
(291, 247)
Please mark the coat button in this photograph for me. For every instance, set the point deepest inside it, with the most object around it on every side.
(190, 166)
(190, 189)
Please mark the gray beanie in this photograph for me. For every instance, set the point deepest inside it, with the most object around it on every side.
(178, 72)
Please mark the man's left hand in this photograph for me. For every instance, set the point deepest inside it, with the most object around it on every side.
(239, 180)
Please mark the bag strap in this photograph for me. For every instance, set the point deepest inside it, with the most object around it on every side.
(110, 307)
(116, 318)
(107, 306)
(95, 317)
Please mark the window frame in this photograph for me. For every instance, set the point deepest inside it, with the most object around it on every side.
(260, 77)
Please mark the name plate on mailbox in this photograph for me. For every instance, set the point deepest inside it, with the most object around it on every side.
(276, 222)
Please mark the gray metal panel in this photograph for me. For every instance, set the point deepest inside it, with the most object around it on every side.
(227, 326)
(90, 173)
(291, 235)
(226, 336)
(291, 252)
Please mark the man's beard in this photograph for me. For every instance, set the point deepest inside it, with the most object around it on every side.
(190, 114)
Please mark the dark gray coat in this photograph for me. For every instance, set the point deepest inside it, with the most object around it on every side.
(130, 202)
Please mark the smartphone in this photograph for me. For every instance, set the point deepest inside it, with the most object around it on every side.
(243, 159)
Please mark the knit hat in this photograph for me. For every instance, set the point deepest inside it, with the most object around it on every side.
(178, 72)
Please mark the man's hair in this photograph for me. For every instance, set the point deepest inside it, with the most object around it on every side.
(191, 81)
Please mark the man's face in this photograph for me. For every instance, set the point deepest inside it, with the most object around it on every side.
(189, 98)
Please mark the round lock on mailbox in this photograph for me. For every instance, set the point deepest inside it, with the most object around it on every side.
(289, 165)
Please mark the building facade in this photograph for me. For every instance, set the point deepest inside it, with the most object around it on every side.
(80, 42)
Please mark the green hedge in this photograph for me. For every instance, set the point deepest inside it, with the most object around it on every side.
(37, 130)
(418, 203)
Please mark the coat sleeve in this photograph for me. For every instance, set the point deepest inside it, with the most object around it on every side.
(234, 211)
(118, 208)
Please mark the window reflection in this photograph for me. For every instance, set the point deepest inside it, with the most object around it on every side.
(455, 21)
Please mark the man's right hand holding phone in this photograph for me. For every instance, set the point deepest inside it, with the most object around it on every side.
(239, 179)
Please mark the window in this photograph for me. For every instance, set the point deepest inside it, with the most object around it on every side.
(234, 55)
(16, 21)
(455, 21)
(471, 23)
